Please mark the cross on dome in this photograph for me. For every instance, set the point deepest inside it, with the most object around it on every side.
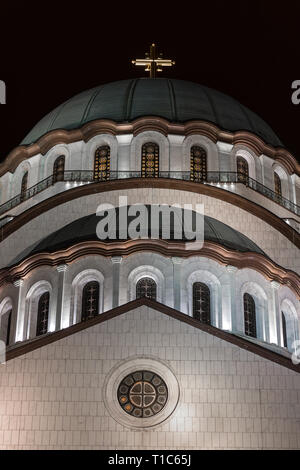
(153, 62)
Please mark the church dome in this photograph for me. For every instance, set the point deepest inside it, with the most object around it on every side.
(84, 229)
(177, 101)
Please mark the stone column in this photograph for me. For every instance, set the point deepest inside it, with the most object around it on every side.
(229, 320)
(274, 316)
(116, 262)
(177, 282)
(226, 159)
(20, 317)
(62, 269)
(293, 189)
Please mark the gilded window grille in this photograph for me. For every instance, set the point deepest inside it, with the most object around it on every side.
(198, 164)
(43, 313)
(201, 302)
(242, 168)
(102, 163)
(59, 169)
(90, 300)
(146, 287)
(24, 185)
(150, 160)
(249, 315)
(277, 184)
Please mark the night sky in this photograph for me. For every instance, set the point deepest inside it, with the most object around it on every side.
(52, 50)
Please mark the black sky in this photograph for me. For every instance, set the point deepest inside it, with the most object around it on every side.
(53, 50)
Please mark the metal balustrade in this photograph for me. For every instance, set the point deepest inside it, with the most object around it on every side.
(87, 177)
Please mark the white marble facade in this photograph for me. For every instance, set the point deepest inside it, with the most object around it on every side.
(229, 398)
(221, 396)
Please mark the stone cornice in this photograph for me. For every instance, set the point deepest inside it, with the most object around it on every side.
(270, 270)
(22, 348)
(165, 183)
(93, 128)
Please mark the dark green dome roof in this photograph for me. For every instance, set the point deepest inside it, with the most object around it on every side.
(84, 229)
(175, 100)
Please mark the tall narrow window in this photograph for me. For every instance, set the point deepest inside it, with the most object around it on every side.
(43, 313)
(146, 287)
(198, 164)
(8, 327)
(90, 300)
(201, 302)
(242, 169)
(284, 333)
(5, 323)
(59, 169)
(150, 160)
(277, 184)
(24, 186)
(102, 164)
(249, 315)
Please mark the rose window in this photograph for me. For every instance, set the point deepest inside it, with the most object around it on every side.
(142, 394)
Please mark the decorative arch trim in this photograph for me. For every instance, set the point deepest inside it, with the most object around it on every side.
(47, 163)
(150, 136)
(146, 271)
(212, 282)
(288, 310)
(270, 270)
(32, 298)
(260, 298)
(149, 123)
(208, 145)
(78, 284)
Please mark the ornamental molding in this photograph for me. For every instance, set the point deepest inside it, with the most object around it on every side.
(18, 282)
(62, 268)
(149, 123)
(116, 259)
(238, 260)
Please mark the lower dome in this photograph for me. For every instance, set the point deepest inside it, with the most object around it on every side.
(84, 229)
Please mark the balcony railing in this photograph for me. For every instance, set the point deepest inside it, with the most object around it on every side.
(213, 177)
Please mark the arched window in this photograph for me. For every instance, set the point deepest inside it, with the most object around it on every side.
(242, 169)
(198, 164)
(102, 163)
(284, 332)
(59, 169)
(150, 160)
(146, 287)
(43, 313)
(249, 315)
(90, 300)
(277, 185)
(9, 315)
(24, 186)
(6, 326)
(201, 302)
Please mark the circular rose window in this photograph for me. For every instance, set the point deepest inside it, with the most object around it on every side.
(142, 394)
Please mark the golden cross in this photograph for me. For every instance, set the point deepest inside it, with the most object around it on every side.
(152, 62)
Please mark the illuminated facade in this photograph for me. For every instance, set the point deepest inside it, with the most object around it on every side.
(150, 343)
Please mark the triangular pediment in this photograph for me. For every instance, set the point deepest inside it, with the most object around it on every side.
(22, 348)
